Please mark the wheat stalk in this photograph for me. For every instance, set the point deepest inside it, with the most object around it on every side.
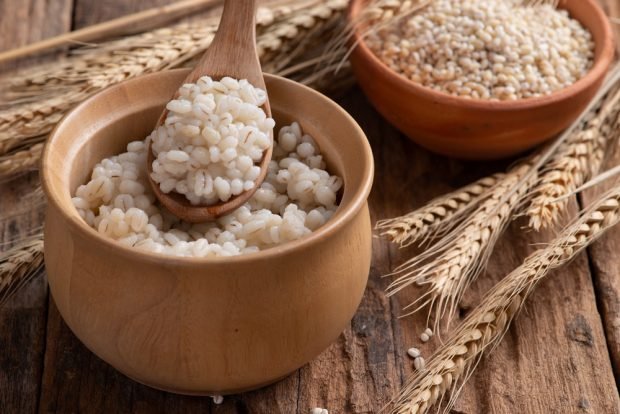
(438, 215)
(36, 102)
(448, 267)
(577, 160)
(20, 161)
(19, 265)
(454, 362)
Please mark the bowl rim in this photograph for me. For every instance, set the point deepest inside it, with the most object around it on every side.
(332, 226)
(598, 69)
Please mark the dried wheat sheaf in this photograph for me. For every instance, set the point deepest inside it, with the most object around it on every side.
(453, 363)
(289, 38)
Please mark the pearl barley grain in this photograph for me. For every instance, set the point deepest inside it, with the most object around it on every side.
(487, 49)
(297, 197)
(214, 133)
(413, 352)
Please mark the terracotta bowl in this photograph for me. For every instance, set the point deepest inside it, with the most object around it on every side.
(481, 129)
(204, 326)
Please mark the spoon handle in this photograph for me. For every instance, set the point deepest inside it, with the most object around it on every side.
(233, 50)
(237, 24)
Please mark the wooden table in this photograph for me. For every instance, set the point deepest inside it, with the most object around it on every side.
(560, 356)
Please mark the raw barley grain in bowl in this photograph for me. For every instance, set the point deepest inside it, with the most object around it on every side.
(487, 49)
(297, 197)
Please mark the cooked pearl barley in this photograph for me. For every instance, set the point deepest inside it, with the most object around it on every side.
(217, 399)
(487, 49)
(424, 337)
(297, 197)
(213, 135)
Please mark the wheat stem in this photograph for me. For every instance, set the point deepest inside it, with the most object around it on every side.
(438, 215)
(20, 161)
(453, 363)
(448, 267)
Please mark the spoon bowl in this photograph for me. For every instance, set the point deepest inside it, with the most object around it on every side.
(232, 53)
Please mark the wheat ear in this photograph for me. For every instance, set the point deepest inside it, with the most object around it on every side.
(448, 267)
(20, 161)
(19, 265)
(438, 215)
(40, 97)
(577, 160)
(454, 362)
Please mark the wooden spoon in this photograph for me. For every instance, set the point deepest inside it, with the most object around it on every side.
(232, 53)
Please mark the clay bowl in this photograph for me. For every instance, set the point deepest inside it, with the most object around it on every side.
(204, 326)
(481, 129)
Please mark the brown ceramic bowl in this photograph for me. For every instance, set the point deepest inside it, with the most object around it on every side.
(481, 129)
(204, 326)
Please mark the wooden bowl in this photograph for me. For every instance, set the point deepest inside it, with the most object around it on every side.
(204, 326)
(481, 129)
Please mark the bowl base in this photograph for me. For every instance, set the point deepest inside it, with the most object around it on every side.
(209, 393)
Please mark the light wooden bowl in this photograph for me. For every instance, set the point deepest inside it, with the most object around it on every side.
(204, 326)
(481, 129)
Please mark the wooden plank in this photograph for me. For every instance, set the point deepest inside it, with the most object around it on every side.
(606, 271)
(612, 9)
(23, 318)
(604, 253)
(90, 12)
(27, 21)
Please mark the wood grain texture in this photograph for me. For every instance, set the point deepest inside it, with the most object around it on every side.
(604, 260)
(27, 21)
(23, 22)
(553, 360)
(606, 271)
(87, 12)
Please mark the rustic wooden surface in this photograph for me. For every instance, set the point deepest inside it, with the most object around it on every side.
(559, 357)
